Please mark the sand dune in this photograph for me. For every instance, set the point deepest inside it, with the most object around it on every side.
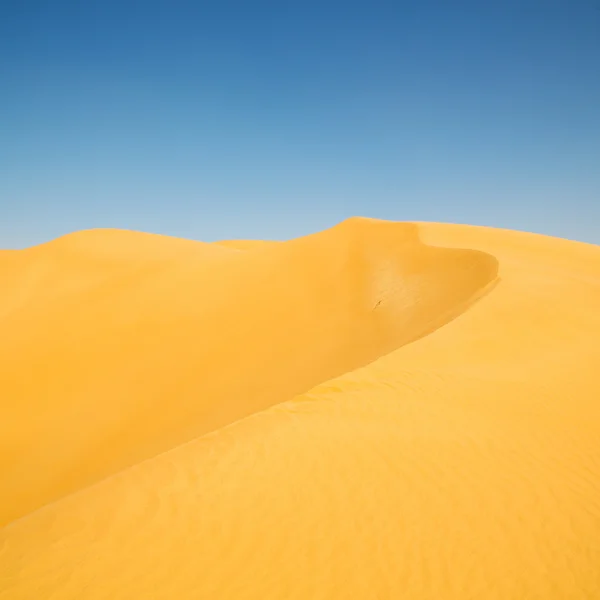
(379, 410)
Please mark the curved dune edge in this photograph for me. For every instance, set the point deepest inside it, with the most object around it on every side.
(123, 345)
(465, 464)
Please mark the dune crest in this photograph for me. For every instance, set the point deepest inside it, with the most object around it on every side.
(329, 417)
(123, 345)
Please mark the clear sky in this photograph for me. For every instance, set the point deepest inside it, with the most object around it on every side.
(222, 119)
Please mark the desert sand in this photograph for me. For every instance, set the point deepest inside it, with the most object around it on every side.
(376, 411)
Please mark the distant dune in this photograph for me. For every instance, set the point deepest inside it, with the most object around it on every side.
(376, 411)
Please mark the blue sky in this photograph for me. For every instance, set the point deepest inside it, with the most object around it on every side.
(259, 119)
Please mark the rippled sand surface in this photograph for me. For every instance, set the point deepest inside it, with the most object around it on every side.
(376, 411)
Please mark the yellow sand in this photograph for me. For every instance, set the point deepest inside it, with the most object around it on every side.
(380, 410)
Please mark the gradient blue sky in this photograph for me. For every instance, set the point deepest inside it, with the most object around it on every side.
(260, 119)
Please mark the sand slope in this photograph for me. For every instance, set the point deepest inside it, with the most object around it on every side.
(379, 410)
